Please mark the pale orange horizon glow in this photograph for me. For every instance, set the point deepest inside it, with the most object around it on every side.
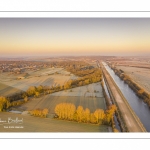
(66, 37)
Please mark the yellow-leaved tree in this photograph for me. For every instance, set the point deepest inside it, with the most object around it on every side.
(109, 113)
(79, 113)
(45, 112)
(99, 115)
(3, 103)
(87, 115)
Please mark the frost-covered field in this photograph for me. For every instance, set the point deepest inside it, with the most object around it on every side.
(80, 96)
(45, 77)
(37, 124)
(139, 75)
(91, 90)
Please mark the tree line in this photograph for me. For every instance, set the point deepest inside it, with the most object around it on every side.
(140, 92)
(39, 112)
(5, 103)
(86, 77)
(68, 111)
(33, 91)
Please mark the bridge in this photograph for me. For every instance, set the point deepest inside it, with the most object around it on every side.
(131, 120)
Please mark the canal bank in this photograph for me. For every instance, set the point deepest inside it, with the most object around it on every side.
(138, 106)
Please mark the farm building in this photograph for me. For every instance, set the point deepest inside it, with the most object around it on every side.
(19, 78)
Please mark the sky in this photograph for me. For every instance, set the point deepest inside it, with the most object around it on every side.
(74, 36)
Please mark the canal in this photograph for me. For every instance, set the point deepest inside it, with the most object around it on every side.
(137, 104)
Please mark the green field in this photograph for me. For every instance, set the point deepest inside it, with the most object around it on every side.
(37, 124)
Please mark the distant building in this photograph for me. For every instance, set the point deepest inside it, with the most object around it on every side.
(19, 78)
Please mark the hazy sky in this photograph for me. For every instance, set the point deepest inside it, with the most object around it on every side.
(71, 36)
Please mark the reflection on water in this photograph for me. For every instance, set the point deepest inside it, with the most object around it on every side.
(140, 108)
(15, 111)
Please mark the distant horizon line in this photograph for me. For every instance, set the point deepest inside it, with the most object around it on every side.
(50, 56)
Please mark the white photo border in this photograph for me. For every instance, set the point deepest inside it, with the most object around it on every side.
(73, 14)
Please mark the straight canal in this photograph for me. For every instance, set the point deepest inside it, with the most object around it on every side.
(137, 104)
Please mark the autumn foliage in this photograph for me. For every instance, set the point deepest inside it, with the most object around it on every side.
(65, 111)
(140, 92)
(68, 111)
(39, 112)
(4, 103)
